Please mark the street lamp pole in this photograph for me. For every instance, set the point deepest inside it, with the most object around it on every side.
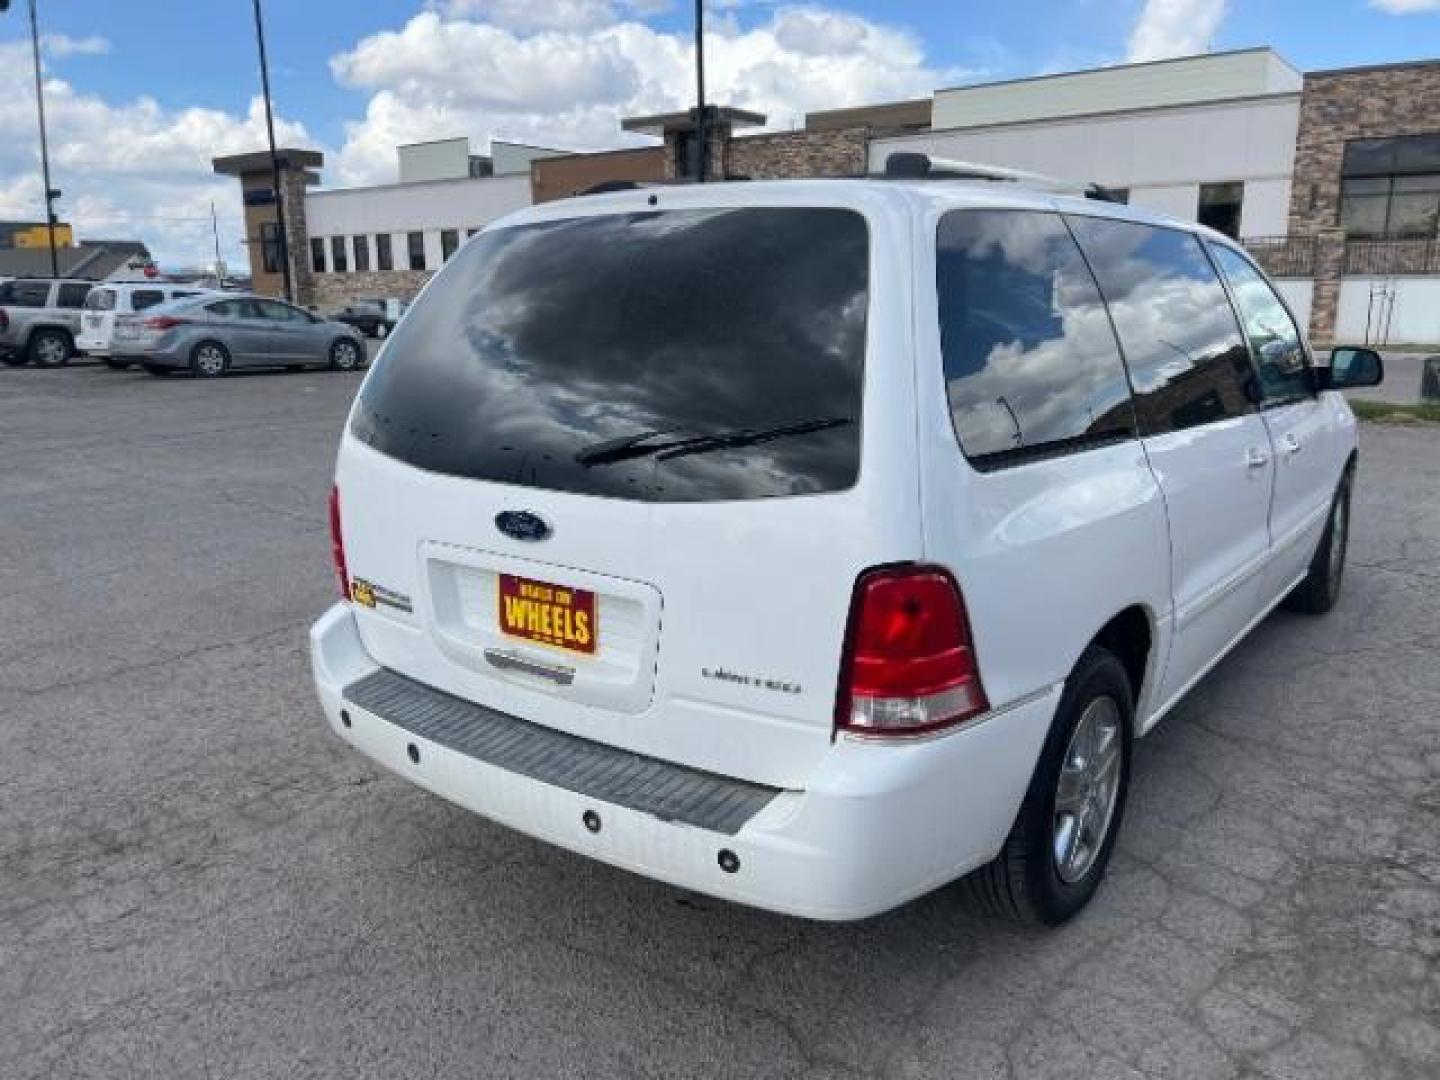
(274, 160)
(50, 193)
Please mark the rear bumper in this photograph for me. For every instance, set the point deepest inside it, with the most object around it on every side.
(93, 345)
(877, 825)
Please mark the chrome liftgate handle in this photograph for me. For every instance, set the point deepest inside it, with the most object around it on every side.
(504, 659)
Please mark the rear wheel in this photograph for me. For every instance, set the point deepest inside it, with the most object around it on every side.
(49, 348)
(209, 359)
(344, 355)
(1320, 590)
(1061, 842)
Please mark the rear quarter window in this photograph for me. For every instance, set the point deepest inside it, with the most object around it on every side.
(72, 295)
(1031, 364)
(539, 343)
(27, 294)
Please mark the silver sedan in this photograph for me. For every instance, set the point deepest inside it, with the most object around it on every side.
(211, 335)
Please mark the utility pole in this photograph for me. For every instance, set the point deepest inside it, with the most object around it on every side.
(219, 262)
(51, 194)
(274, 160)
(703, 154)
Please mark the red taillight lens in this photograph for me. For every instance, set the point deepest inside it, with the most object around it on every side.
(163, 322)
(337, 544)
(909, 664)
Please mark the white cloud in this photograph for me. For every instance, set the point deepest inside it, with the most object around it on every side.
(130, 170)
(1406, 7)
(545, 82)
(527, 15)
(60, 45)
(1177, 28)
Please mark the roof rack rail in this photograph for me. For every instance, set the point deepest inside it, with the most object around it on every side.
(908, 165)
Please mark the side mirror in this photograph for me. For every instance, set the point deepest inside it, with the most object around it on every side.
(1352, 367)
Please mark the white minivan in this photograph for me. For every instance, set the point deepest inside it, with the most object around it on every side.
(813, 544)
(105, 303)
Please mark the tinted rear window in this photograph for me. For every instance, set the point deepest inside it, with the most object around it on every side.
(540, 342)
(25, 293)
(141, 299)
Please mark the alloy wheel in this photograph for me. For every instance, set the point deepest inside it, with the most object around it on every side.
(1086, 791)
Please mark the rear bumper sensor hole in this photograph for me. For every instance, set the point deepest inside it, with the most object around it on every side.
(414, 752)
(345, 717)
(729, 861)
(591, 820)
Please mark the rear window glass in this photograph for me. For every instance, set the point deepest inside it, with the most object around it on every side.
(100, 300)
(725, 346)
(25, 293)
(141, 299)
(72, 295)
(1031, 364)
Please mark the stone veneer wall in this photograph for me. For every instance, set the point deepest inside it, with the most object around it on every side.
(331, 292)
(790, 154)
(1362, 103)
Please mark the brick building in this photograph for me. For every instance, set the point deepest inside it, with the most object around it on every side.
(1331, 178)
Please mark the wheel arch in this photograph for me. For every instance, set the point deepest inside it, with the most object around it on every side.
(1130, 634)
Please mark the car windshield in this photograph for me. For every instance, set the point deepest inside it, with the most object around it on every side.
(742, 331)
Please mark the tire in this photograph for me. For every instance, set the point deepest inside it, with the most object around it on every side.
(14, 359)
(344, 355)
(209, 359)
(49, 348)
(117, 363)
(156, 369)
(1320, 590)
(1056, 854)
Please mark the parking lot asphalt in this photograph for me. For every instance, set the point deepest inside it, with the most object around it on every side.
(197, 880)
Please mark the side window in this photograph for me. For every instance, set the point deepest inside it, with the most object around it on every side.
(382, 252)
(278, 312)
(228, 309)
(25, 293)
(1031, 364)
(1275, 341)
(1186, 357)
(72, 295)
(338, 262)
(317, 254)
(141, 299)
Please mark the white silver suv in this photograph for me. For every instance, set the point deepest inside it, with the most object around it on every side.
(813, 544)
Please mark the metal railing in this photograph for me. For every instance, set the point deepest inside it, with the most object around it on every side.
(1386, 258)
(1283, 256)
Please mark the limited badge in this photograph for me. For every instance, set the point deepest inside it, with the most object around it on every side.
(368, 594)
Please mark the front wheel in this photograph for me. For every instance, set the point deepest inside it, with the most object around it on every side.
(1320, 589)
(1057, 851)
(344, 355)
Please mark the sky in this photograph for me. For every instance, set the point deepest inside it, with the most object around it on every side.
(140, 96)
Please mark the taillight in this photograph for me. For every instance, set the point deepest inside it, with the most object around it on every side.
(337, 544)
(4, 319)
(909, 665)
(163, 322)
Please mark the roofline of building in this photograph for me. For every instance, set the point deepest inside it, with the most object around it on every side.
(1121, 67)
(1398, 65)
(419, 183)
(531, 146)
(1001, 125)
(435, 142)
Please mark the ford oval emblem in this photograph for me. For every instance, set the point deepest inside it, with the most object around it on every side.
(522, 525)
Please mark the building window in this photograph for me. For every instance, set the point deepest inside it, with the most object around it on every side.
(270, 247)
(415, 242)
(449, 241)
(362, 254)
(470, 232)
(383, 259)
(1220, 206)
(338, 263)
(317, 255)
(1391, 187)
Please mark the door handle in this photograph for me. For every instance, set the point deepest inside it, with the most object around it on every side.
(1255, 458)
(505, 660)
(1292, 444)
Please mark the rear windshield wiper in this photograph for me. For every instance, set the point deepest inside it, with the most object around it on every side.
(638, 445)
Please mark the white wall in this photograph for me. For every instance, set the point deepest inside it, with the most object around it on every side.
(1161, 155)
(1416, 317)
(443, 204)
(511, 158)
(1299, 293)
(445, 159)
(1133, 86)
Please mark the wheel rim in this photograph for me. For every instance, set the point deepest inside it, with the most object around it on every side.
(210, 360)
(50, 350)
(1087, 789)
(1339, 538)
(345, 355)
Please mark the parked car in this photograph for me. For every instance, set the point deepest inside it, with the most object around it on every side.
(106, 303)
(209, 335)
(813, 544)
(373, 318)
(40, 319)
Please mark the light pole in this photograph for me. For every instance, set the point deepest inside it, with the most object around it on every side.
(51, 194)
(274, 160)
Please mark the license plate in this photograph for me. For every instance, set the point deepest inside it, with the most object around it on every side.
(553, 615)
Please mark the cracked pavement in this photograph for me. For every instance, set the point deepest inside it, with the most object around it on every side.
(197, 880)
